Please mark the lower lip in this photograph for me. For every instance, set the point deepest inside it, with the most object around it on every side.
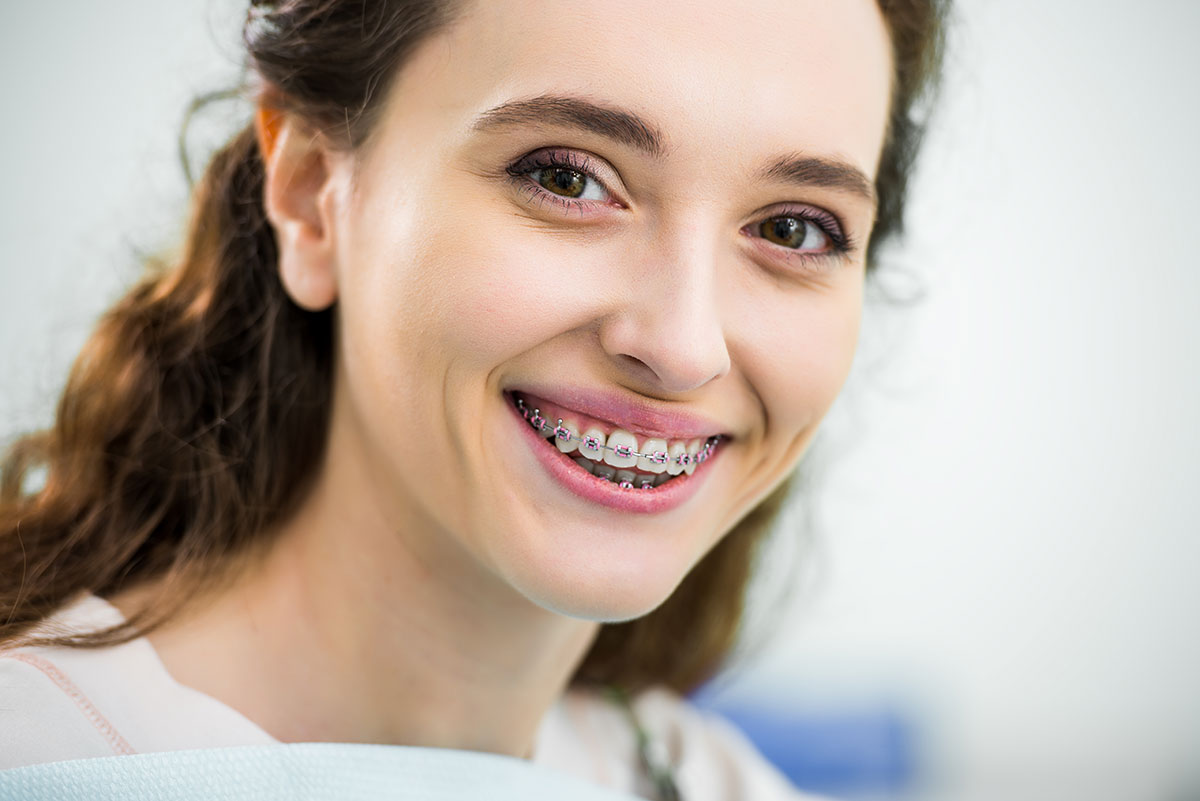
(562, 467)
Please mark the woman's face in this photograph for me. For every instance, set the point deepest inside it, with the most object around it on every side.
(647, 219)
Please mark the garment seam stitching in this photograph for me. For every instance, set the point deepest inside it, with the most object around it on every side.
(119, 744)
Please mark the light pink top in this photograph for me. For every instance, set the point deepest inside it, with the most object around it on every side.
(62, 703)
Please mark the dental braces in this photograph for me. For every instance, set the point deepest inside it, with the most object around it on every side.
(560, 432)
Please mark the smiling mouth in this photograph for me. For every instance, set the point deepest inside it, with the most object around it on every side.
(617, 455)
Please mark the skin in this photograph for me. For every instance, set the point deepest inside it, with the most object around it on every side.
(437, 587)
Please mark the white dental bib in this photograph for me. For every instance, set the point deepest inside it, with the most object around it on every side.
(299, 772)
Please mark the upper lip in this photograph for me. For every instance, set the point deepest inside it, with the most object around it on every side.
(638, 416)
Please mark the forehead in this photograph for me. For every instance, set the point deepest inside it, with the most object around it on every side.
(747, 80)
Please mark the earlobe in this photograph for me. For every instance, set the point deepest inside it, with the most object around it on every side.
(296, 193)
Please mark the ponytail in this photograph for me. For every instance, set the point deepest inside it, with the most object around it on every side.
(191, 423)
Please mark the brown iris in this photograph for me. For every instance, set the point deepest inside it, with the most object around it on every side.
(786, 231)
(562, 181)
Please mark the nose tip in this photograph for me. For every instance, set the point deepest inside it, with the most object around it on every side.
(671, 378)
(676, 346)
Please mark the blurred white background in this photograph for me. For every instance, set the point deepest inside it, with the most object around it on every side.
(1008, 539)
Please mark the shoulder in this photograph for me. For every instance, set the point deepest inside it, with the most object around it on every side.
(711, 759)
(45, 713)
(74, 703)
(44, 717)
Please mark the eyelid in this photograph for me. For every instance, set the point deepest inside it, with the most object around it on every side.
(562, 157)
(841, 244)
(827, 221)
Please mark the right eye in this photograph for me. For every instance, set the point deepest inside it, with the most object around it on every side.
(569, 183)
(563, 177)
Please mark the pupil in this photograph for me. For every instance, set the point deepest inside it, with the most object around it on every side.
(785, 229)
(568, 181)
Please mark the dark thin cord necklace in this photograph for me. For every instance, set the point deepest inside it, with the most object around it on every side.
(661, 776)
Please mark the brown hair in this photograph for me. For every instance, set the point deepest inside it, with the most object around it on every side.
(196, 415)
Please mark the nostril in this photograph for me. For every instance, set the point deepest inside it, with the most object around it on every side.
(638, 366)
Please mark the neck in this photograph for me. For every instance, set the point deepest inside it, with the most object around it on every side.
(351, 631)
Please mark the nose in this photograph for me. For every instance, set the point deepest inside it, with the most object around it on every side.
(667, 331)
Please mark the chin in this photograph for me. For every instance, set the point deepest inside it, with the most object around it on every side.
(599, 608)
(600, 584)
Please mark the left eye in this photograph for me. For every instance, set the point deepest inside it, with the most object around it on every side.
(796, 233)
(568, 183)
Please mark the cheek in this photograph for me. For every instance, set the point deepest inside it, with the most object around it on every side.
(441, 289)
(503, 288)
(495, 301)
(799, 354)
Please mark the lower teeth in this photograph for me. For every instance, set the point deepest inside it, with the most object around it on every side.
(628, 479)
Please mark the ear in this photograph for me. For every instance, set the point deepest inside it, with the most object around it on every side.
(300, 203)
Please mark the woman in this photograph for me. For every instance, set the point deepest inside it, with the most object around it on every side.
(496, 337)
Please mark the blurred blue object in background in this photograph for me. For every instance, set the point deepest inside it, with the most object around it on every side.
(868, 750)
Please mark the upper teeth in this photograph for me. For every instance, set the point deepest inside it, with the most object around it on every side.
(620, 449)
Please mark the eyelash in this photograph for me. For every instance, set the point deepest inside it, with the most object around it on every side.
(840, 243)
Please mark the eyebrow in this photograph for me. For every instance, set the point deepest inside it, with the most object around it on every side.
(815, 171)
(617, 124)
(627, 128)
